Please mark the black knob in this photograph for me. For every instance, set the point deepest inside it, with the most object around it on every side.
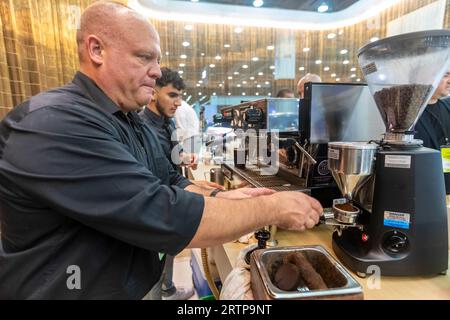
(396, 242)
(262, 236)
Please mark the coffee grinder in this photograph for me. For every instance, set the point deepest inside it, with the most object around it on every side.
(394, 214)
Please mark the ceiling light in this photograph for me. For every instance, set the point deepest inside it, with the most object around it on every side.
(181, 72)
(353, 76)
(331, 35)
(229, 93)
(306, 49)
(167, 53)
(238, 29)
(272, 67)
(373, 39)
(333, 75)
(318, 62)
(188, 27)
(338, 79)
(258, 3)
(238, 85)
(269, 94)
(218, 57)
(258, 86)
(200, 81)
(230, 78)
(301, 68)
(322, 8)
(186, 44)
(214, 93)
(221, 85)
(182, 65)
(341, 32)
(212, 65)
(236, 73)
(252, 78)
(267, 82)
(245, 66)
(260, 73)
(255, 59)
(343, 51)
(226, 45)
(199, 93)
(202, 54)
(345, 62)
(353, 69)
(184, 93)
(326, 69)
(358, 80)
(244, 82)
(183, 56)
(198, 84)
(243, 93)
(270, 47)
(257, 93)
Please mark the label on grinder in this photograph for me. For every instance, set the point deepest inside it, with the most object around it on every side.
(333, 154)
(397, 219)
(397, 162)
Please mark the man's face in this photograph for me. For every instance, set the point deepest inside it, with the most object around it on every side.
(131, 67)
(443, 88)
(168, 99)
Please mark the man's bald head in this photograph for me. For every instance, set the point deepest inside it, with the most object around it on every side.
(111, 22)
(309, 77)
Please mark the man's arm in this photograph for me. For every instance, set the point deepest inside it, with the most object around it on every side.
(225, 220)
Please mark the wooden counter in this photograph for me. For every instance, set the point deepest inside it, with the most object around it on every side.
(391, 288)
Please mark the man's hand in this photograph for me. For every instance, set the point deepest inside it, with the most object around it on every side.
(208, 185)
(245, 193)
(189, 160)
(296, 210)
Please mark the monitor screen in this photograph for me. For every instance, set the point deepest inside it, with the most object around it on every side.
(341, 112)
(282, 114)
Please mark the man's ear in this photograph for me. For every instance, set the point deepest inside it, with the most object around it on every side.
(95, 49)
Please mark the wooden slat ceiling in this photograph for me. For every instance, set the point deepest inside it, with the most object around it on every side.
(304, 5)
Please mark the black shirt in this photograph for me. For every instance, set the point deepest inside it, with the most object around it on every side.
(434, 124)
(82, 184)
(164, 129)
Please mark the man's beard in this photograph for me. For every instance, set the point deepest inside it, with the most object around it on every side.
(161, 110)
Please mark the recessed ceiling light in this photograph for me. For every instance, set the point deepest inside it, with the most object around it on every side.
(202, 54)
(238, 85)
(353, 69)
(358, 80)
(258, 86)
(230, 78)
(326, 69)
(183, 56)
(236, 73)
(258, 3)
(238, 29)
(167, 53)
(186, 44)
(199, 93)
(252, 78)
(341, 32)
(322, 8)
(353, 76)
(301, 68)
(333, 75)
(220, 85)
(257, 93)
(331, 35)
(272, 67)
(338, 79)
(345, 62)
(212, 65)
(343, 51)
(181, 72)
(244, 82)
(200, 81)
(218, 57)
(243, 93)
(181, 65)
(373, 39)
(270, 47)
(269, 94)
(260, 73)
(229, 93)
(198, 84)
(226, 45)
(255, 59)
(318, 62)
(267, 82)
(188, 27)
(214, 93)
(306, 49)
(245, 66)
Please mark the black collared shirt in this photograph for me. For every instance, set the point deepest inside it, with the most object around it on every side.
(82, 185)
(164, 129)
(434, 124)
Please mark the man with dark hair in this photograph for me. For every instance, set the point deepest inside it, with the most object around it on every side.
(89, 203)
(285, 93)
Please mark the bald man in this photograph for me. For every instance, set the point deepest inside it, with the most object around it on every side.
(89, 204)
(309, 77)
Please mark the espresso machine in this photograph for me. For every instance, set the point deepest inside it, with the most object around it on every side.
(393, 215)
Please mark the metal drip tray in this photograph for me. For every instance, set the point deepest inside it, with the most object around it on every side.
(338, 283)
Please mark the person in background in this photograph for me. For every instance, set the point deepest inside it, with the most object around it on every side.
(89, 203)
(433, 126)
(188, 128)
(309, 77)
(285, 93)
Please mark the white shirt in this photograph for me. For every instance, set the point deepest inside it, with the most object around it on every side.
(187, 123)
